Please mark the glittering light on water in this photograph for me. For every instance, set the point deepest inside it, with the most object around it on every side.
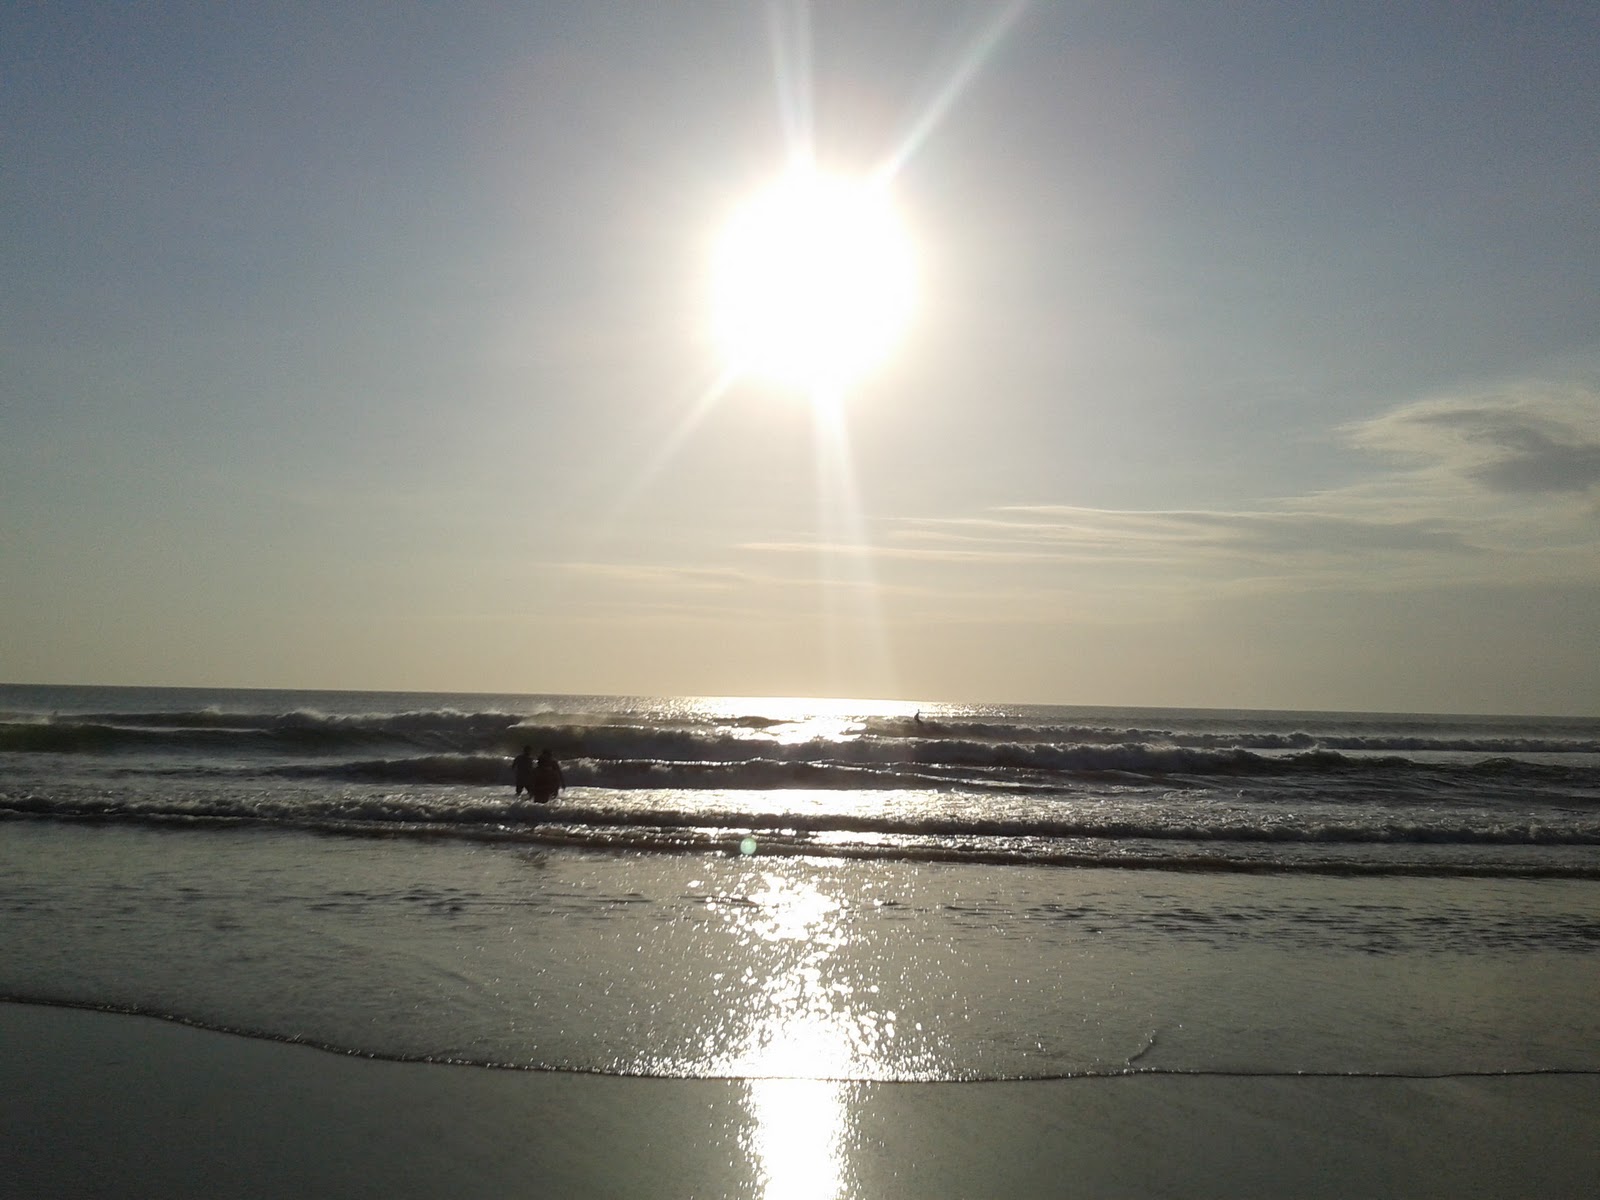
(803, 1025)
(801, 1013)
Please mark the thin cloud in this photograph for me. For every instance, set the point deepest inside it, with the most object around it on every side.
(652, 576)
(1532, 441)
(1476, 489)
(1188, 542)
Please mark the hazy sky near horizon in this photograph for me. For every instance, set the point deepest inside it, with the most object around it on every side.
(1256, 359)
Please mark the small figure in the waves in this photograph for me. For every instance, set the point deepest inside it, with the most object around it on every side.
(547, 780)
(522, 772)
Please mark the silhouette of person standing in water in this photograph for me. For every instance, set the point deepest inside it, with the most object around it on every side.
(522, 771)
(547, 780)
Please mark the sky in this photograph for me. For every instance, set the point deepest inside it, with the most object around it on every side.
(1254, 361)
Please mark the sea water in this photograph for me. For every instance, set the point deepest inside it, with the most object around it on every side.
(804, 889)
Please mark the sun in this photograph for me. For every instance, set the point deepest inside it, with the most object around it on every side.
(813, 282)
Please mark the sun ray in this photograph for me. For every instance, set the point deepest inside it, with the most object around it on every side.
(789, 27)
(979, 49)
(850, 596)
(693, 417)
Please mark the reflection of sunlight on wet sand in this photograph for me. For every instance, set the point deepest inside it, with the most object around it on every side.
(797, 1135)
(806, 1026)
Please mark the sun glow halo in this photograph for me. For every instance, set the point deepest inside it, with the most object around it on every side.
(813, 282)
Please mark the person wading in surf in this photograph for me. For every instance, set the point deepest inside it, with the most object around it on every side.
(547, 780)
(522, 773)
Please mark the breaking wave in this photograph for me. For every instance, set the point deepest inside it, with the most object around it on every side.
(1251, 790)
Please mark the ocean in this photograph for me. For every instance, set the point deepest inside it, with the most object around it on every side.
(803, 889)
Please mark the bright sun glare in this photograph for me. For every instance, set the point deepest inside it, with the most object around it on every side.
(813, 282)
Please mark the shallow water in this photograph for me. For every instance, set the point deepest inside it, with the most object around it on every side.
(705, 965)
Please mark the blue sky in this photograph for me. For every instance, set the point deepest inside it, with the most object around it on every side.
(1256, 361)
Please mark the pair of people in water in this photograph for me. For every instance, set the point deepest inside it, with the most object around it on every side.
(541, 779)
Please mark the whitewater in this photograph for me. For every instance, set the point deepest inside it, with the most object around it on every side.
(1115, 787)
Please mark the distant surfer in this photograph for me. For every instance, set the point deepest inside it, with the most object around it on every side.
(522, 772)
(546, 781)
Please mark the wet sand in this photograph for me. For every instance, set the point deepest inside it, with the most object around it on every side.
(97, 1104)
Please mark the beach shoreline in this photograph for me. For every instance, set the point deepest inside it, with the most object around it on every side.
(907, 1019)
(105, 1104)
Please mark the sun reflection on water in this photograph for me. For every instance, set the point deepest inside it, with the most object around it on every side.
(807, 1029)
(797, 718)
(801, 1015)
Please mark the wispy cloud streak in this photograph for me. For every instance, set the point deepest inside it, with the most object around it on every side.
(1473, 490)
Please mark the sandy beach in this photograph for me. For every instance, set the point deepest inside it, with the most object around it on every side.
(107, 1105)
